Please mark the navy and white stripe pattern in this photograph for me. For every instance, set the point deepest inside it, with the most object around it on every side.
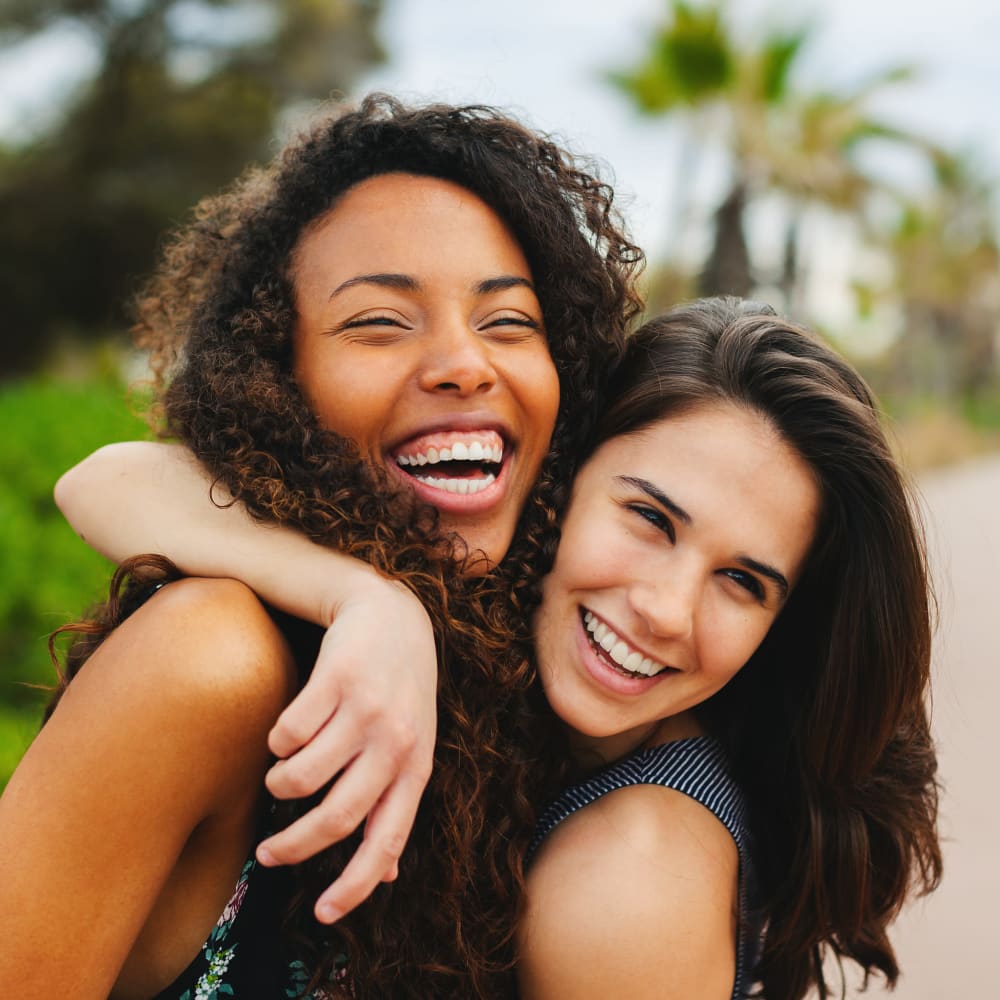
(697, 767)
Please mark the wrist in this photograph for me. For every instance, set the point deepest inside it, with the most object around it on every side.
(360, 585)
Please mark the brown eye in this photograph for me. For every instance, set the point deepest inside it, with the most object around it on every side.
(656, 518)
(748, 582)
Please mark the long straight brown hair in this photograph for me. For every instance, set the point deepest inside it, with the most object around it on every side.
(827, 725)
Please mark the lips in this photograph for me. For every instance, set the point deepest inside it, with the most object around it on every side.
(455, 470)
(624, 658)
(452, 446)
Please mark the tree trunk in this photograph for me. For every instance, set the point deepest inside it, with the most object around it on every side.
(727, 270)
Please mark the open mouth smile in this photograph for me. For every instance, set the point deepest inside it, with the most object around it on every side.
(616, 652)
(453, 463)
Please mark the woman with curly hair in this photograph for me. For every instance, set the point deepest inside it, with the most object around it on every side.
(736, 636)
(402, 289)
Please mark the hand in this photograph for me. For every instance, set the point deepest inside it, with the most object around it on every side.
(369, 713)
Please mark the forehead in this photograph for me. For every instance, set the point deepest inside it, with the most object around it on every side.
(402, 222)
(712, 434)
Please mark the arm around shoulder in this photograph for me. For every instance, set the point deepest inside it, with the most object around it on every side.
(634, 895)
(145, 496)
(372, 694)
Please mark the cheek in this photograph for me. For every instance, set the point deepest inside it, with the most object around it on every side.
(538, 387)
(344, 400)
(553, 632)
(584, 564)
(734, 644)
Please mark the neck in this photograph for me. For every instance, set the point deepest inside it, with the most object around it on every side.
(591, 752)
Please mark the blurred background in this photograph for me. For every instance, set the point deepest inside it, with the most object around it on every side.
(839, 162)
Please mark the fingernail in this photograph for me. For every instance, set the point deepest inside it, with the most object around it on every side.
(265, 857)
(327, 913)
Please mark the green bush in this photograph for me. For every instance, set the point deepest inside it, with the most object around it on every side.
(50, 576)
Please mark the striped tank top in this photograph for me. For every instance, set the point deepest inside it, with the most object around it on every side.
(696, 767)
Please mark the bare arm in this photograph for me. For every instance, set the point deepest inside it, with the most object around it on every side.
(141, 496)
(132, 761)
(368, 711)
(632, 896)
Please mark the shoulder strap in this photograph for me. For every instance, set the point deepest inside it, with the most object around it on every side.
(696, 767)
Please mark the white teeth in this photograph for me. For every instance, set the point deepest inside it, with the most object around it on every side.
(619, 651)
(461, 486)
(632, 661)
(473, 451)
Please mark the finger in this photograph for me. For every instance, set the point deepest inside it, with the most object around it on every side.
(376, 860)
(307, 713)
(311, 767)
(354, 794)
(371, 829)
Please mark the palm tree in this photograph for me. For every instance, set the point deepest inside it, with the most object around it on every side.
(777, 138)
(946, 254)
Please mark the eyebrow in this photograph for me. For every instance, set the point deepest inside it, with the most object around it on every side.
(502, 283)
(402, 282)
(655, 493)
(406, 283)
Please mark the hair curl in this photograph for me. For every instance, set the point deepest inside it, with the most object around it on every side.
(218, 317)
(827, 725)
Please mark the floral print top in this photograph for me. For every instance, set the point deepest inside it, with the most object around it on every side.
(243, 958)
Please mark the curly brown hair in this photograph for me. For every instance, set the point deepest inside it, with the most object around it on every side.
(827, 725)
(218, 316)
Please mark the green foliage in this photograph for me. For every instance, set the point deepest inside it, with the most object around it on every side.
(689, 62)
(737, 90)
(983, 411)
(777, 58)
(186, 94)
(49, 576)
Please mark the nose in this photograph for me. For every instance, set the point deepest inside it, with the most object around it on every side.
(457, 360)
(666, 604)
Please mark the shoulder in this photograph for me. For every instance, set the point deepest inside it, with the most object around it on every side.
(195, 677)
(196, 640)
(172, 710)
(635, 895)
(163, 729)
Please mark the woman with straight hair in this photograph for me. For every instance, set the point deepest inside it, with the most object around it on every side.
(736, 633)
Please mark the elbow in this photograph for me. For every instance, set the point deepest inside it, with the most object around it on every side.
(76, 487)
(67, 492)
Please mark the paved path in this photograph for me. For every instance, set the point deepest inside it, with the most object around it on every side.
(948, 944)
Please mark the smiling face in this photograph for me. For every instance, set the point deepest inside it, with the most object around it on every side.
(419, 336)
(679, 549)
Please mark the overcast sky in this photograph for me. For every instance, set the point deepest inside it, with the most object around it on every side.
(543, 60)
